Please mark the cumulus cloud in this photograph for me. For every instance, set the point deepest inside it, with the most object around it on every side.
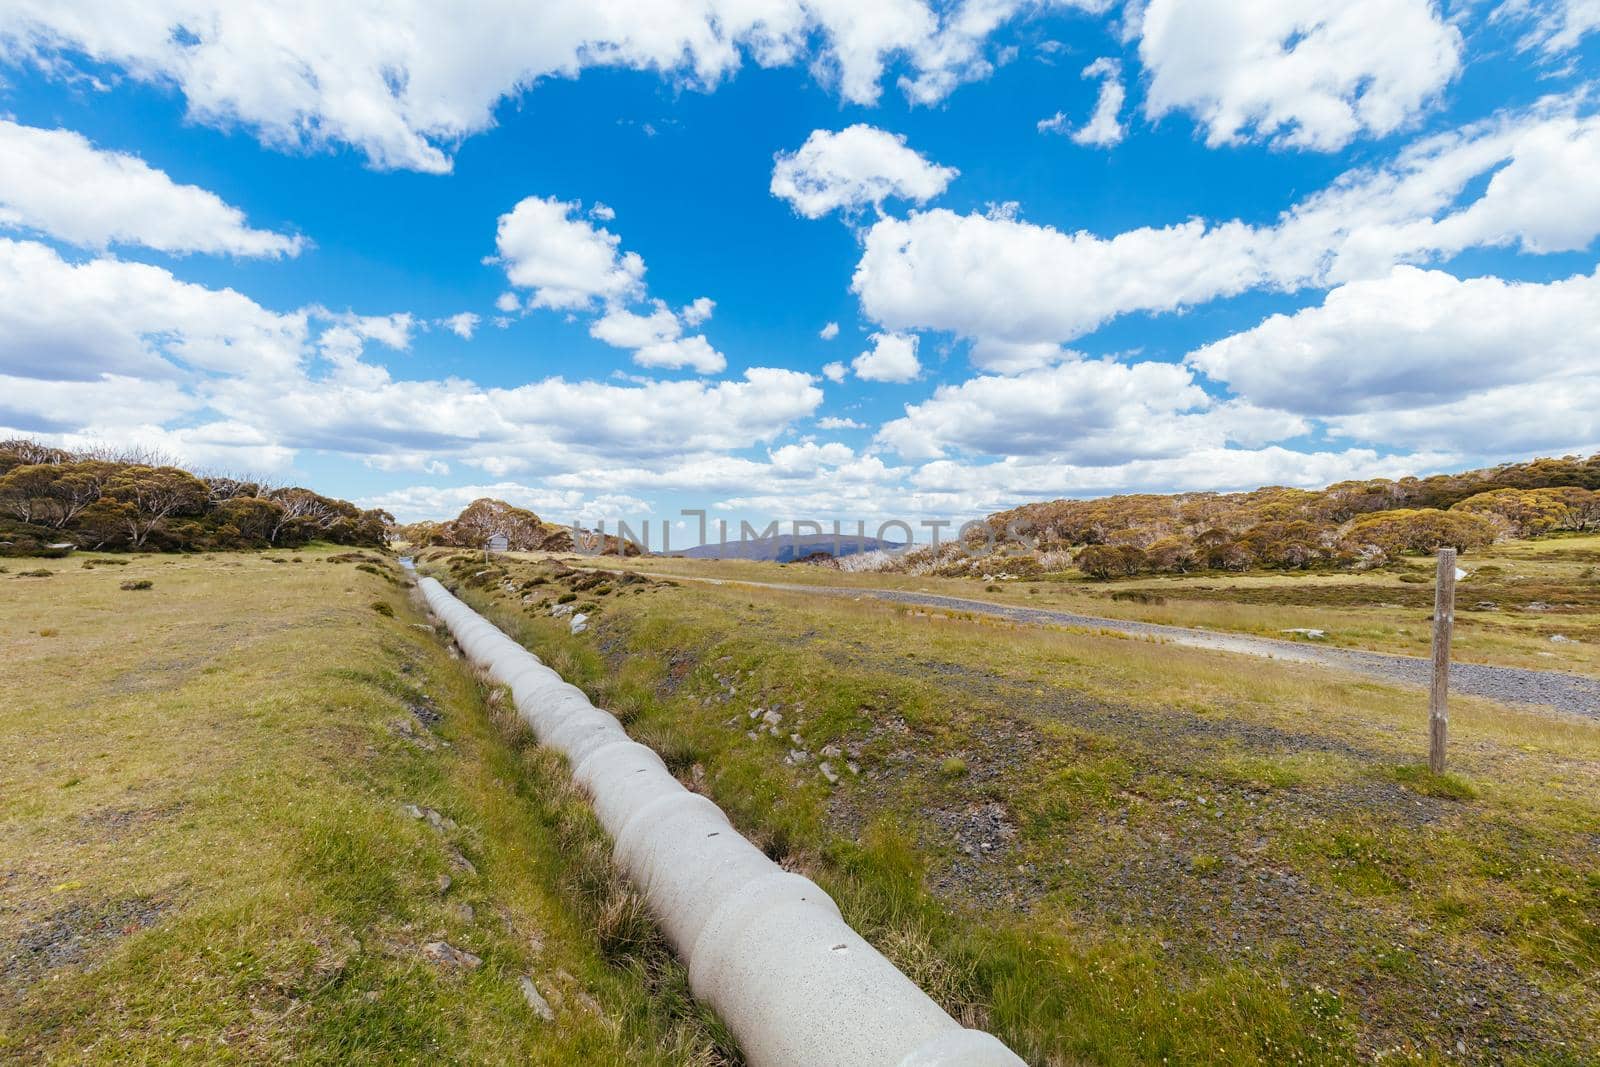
(462, 325)
(546, 245)
(892, 358)
(1302, 73)
(1041, 285)
(1414, 337)
(833, 422)
(55, 182)
(314, 75)
(112, 346)
(1088, 411)
(829, 332)
(857, 167)
(1104, 127)
(835, 371)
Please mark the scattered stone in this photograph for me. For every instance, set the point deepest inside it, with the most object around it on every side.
(853, 767)
(1561, 639)
(580, 623)
(827, 772)
(444, 883)
(540, 1006)
(831, 751)
(561, 611)
(442, 952)
(797, 756)
(465, 912)
(1308, 633)
(772, 718)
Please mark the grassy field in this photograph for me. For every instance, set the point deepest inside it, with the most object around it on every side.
(1520, 595)
(245, 804)
(1114, 851)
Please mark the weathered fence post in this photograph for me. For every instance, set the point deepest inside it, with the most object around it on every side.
(1444, 620)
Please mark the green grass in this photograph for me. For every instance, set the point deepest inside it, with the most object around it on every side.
(207, 856)
(1384, 610)
(1188, 860)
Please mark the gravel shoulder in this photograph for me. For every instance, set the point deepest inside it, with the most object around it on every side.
(1566, 692)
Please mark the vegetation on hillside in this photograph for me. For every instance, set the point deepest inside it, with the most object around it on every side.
(523, 530)
(128, 500)
(1351, 525)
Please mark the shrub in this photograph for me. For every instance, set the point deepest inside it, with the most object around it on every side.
(383, 608)
(954, 767)
(40, 573)
(138, 583)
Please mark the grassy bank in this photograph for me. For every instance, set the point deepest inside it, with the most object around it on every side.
(1112, 851)
(1520, 596)
(251, 810)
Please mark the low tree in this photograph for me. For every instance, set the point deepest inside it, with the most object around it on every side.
(154, 494)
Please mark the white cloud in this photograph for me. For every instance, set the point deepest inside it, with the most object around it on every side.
(65, 321)
(1087, 411)
(892, 358)
(508, 302)
(1040, 285)
(857, 167)
(1104, 127)
(697, 311)
(1415, 337)
(833, 422)
(1302, 73)
(56, 183)
(657, 338)
(603, 212)
(622, 328)
(829, 332)
(105, 348)
(462, 324)
(1556, 26)
(834, 372)
(314, 75)
(545, 245)
(693, 352)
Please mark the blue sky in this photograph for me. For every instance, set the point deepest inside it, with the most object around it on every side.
(582, 259)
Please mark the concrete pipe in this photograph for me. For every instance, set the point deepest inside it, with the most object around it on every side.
(765, 948)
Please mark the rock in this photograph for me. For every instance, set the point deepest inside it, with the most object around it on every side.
(540, 1006)
(442, 952)
(464, 912)
(853, 767)
(1561, 639)
(797, 756)
(437, 821)
(580, 623)
(831, 751)
(797, 740)
(443, 882)
(772, 718)
(412, 810)
(1537, 605)
(1308, 633)
(561, 611)
(827, 772)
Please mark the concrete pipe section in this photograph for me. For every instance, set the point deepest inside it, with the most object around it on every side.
(765, 948)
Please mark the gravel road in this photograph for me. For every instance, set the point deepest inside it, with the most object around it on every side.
(1558, 689)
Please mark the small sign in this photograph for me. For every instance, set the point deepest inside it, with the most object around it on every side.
(1461, 575)
(497, 543)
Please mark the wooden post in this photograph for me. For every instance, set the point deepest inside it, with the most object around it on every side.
(1444, 620)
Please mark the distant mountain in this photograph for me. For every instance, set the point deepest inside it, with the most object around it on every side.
(786, 548)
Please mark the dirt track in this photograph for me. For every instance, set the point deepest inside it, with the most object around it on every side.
(1558, 689)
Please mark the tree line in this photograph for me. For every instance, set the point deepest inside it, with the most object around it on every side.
(1349, 524)
(138, 500)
